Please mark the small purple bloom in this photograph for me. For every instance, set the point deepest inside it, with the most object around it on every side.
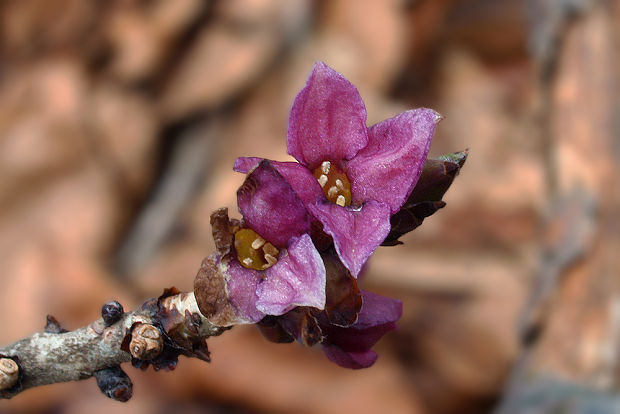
(275, 266)
(351, 178)
(351, 347)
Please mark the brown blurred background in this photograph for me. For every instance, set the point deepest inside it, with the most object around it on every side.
(119, 124)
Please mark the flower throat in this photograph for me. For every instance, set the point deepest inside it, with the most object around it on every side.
(253, 251)
(334, 182)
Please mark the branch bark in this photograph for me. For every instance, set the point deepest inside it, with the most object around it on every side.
(57, 356)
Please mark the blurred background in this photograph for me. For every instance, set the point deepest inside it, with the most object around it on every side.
(120, 121)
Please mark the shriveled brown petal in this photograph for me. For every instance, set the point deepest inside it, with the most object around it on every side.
(343, 298)
(301, 324)
(273, 331)
(210, 292)
(223, 230)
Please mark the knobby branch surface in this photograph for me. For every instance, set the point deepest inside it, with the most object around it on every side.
(154, 334)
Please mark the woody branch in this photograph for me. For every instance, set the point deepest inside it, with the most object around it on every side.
(155, 333)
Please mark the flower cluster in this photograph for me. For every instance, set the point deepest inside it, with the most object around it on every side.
(291, 264)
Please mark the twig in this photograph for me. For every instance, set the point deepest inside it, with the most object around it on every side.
(155, 334)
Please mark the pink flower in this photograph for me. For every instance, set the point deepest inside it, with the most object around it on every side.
(351, 178)
(274, 265)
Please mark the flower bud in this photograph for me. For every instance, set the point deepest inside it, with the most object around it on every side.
(146, 342)
(114, 383)
(9, 373)
(111, 312)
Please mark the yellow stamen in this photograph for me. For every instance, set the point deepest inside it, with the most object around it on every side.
(325, 166)
(258, 243)
(323, 180)
(334, 182)
(253, 251)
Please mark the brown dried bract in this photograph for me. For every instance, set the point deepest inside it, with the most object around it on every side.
(210, 283)
(273, 331)
(182, 336)
(301, 324)
(53, 326)
(171, 291)
(223, 230)
(211, 294)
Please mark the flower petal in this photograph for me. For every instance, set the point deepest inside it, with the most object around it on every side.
(245, 164)
(327, 120)
(299, 177)
(377, 317)
(356, 233)
(351, 360)
(378, 310)
(297, 279)
(388, 168)
(271, 329)
(302, 325)
(242, 284)
(271, 207)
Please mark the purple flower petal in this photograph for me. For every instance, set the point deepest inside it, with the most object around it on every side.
(271, 207)
(297, 279)
(377, 317)
(299, 177)
(351, 360)
(328, 119)
(388, 168)
(245, 164)
(356, 233)
(242, 284)
(378, 310)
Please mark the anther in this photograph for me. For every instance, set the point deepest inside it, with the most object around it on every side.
(334, 182)
(332, 192)
(252, 250)
(270, 260)
(325, 166)
(270, 249)
(340, 201)
(258, 243)
(323, 180)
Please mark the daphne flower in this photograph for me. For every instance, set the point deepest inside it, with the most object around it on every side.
(351, 178)
(349, 347)
(267, 263)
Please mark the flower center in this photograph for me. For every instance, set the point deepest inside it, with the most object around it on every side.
(335, 184)
(253, 251)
